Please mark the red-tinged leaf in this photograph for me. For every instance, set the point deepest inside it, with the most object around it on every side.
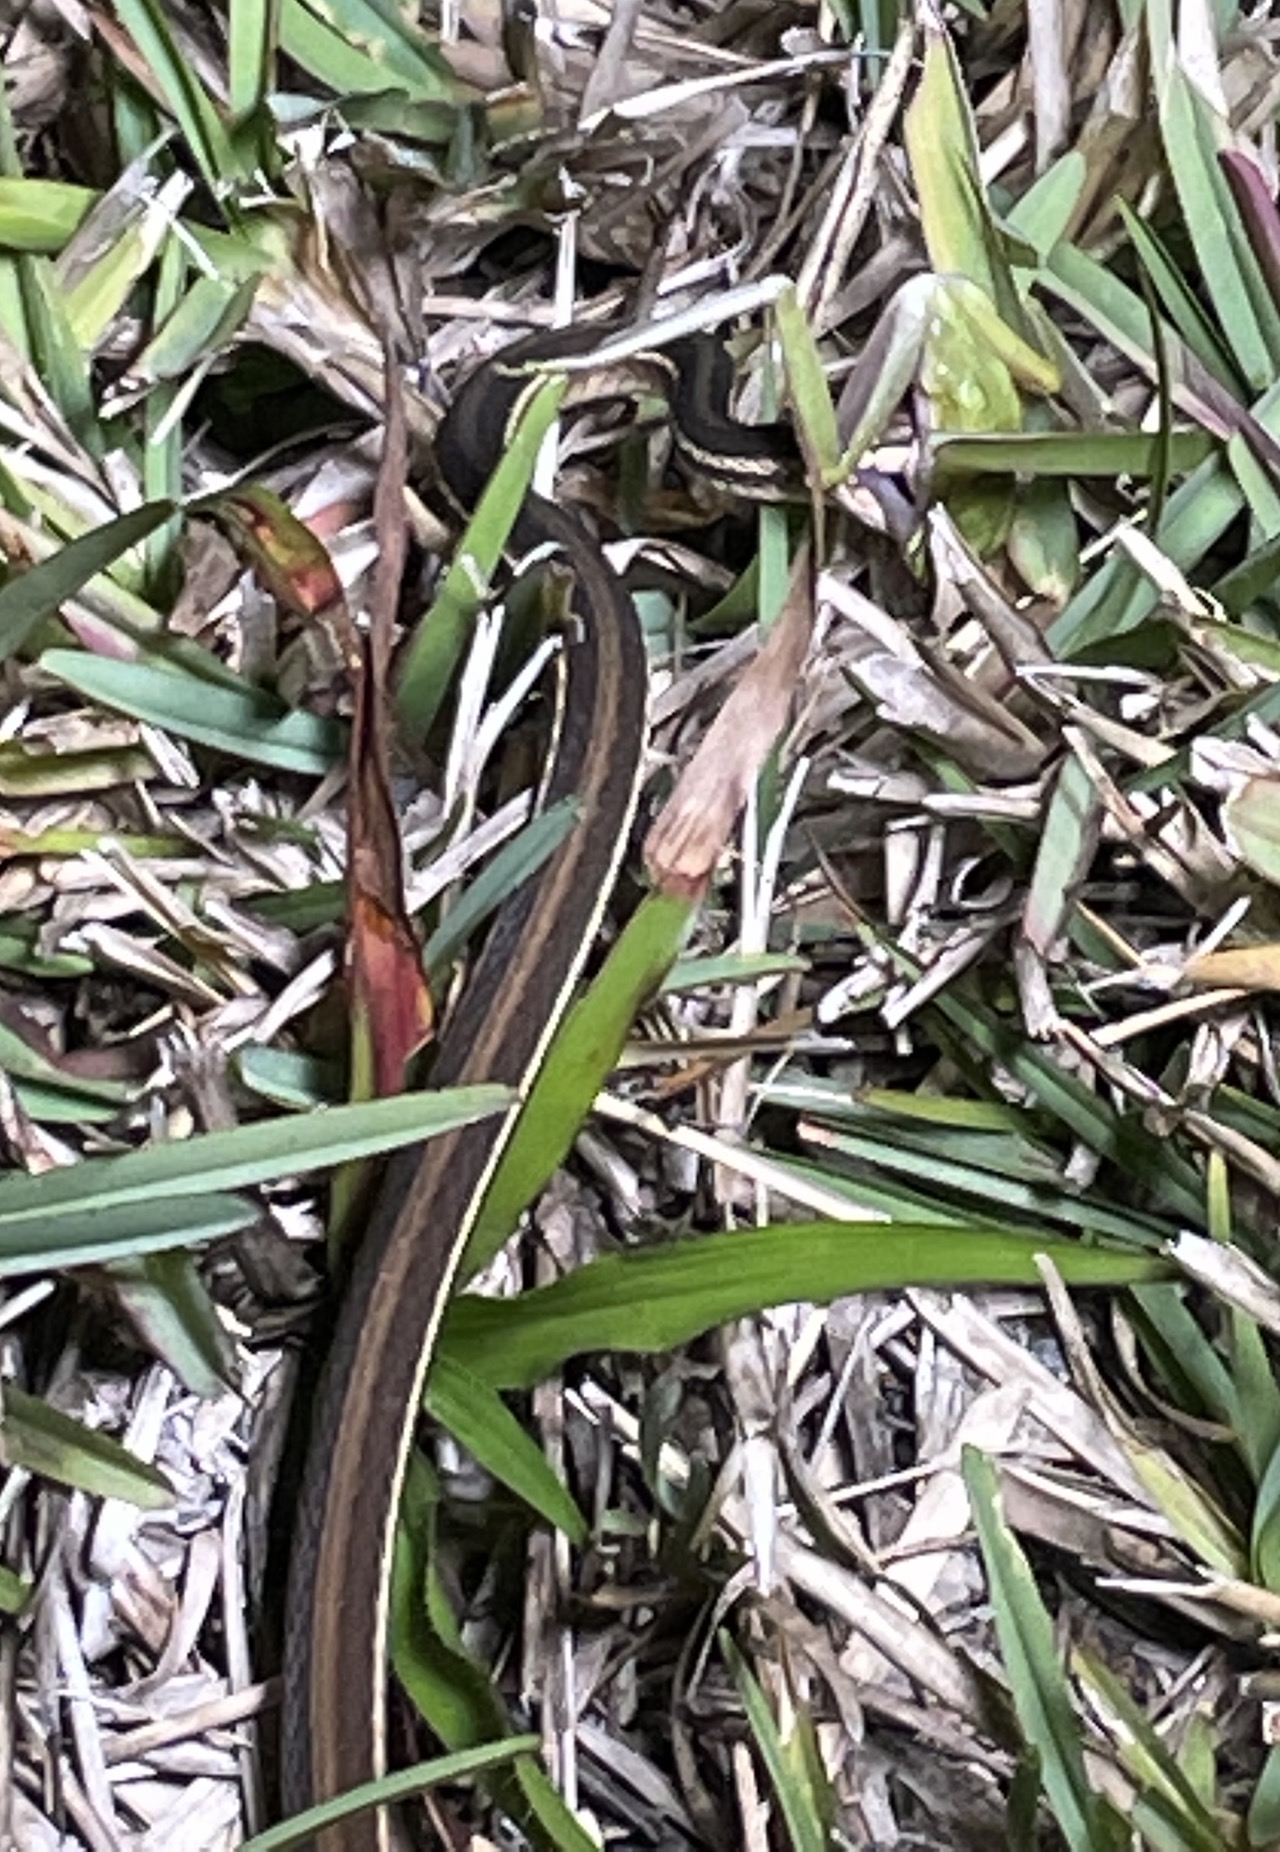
(391, 1013)
(291, 562)
(1257, 208)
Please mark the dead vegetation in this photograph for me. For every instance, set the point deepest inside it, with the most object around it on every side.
(971, 757)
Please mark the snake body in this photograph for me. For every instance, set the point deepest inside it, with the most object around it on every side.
(336, 1653)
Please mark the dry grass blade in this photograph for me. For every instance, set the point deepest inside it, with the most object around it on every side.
(966, 760)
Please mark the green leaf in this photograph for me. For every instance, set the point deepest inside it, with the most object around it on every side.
(367, 49)
(243, 723)
(169, 1304)
(1264, 1805)
(804, 1797)
(1068, 843)
(1156, 1770)
(180, 87)
(45, 1441)
(31, 596)
(33, 1210)
(1228, 266)
(1041, 1694)
(402, 1785)
(451, 1691)
(1179, 301)
(515, 862)
(1264, 1543)
(41, 215)
(659, 1298)
(296, 1082)
(808, 390)
(252, 34)
(583, 1052)
(55, 351)
(15, 1591)
(436, 647)
(23, 1062)
(1043, 213)
(1169, 1178)
(1106, 454)
(199, 326)
(475, 1416)
(942, 146)
(84, 1236)
(731, 968)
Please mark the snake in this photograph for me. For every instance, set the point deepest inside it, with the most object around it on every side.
(336, 1654)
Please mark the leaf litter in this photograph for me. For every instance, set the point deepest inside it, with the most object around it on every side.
(1013, 818)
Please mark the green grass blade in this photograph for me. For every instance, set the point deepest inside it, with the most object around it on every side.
(1179, 301)
(244, 723)
(169, 1307)
(253, 34)
(1143, 1752)
(451, 1691)
(581, 1056)
(41, 215)
(234, 1160)
(45, 1441)
(368, 50)
(190, 106)
(1069, 454)
(402, 1785)
(803, 1795)
(473, 1413)
(1228, 267)
(82, 1237)
(1042, 1697)
(32, 596)
(1170, 1180)
(656, 1299)
(15, 1591)
(515, 862)
(437, 646)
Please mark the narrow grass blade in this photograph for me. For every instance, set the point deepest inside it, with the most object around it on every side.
(30, 597)
(517, 861)
(59, 360)
(41, 215)
(93, 1234)
(169, 1306)
(804, 1794)
(451, 1691)
(581, 1056)
(45, 1441)
(1069, 454)
(405, 1783)
(807, 386)
(1179, 302)
(1227, 265)
(1042, 1697)
(1264, 1805)
(1171, 1180)
(181, 89)
(253, 28)
(1143, 1752)
(234, 1160)
(659, 1298)
(474, 1414)
(367, 50)
(23, 1062)
(243, 723)
(436, 647)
